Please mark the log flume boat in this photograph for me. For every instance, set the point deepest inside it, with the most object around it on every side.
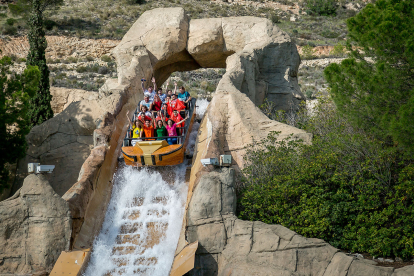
(151, 151)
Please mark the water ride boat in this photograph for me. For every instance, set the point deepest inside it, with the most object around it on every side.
(151, 151)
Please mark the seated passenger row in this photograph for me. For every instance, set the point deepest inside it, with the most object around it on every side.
(159, 115)
(157, 127)
(154, 100)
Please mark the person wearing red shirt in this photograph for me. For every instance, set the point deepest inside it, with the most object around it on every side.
(176, 117)
(176, 104)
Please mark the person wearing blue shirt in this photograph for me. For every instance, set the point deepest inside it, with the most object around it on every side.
(161, 95)
(183, 95)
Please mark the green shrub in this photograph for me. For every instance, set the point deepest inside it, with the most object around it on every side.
(308, 52)
(274, 18)
(49, 24)
(106, 58)
(89, 58)
(72, 59)
(81, 69)
(9, 30)
(347, 188)
(10, 21)
(321, 7)
(338, 50)
(329, 34)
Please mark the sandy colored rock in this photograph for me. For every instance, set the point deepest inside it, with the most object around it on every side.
(59, 47)
(260, 59)
(206, 43)
(255, 248)
(64, 141)
(35, 227)
(63, 97)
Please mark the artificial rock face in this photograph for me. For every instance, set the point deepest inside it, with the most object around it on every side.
(35, 226)
(260, 59)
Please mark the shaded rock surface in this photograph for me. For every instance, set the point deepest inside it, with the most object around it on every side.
(230, 246)
(35, 226)
(66, 140)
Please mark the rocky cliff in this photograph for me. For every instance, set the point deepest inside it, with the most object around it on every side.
(35, 226)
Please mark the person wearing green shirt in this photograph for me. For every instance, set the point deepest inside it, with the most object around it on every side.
(161, 131)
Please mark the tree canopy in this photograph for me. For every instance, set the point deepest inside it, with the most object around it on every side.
(15, 93)
(375, 87)
(40, 109)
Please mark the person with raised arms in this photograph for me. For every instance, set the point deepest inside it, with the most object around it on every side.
(171, 127)
(151, 91)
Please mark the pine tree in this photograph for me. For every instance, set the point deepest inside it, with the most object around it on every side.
(40, 108)
(375, 87)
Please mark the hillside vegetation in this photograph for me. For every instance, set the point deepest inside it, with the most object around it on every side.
(112, 18)
(354, 186)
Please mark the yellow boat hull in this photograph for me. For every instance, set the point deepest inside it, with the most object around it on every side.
(153, 153)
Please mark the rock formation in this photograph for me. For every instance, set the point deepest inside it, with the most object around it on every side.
(35, 226)
(59, 47)
(66, 140)
(230, 246)
(261, 60)
(63, 97)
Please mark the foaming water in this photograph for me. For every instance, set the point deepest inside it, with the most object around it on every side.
(144, 208)
(202, 105)
(143, 220)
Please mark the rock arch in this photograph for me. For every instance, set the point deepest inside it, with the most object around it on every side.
(260, 59)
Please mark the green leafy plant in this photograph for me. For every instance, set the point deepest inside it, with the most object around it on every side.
(347, 188)
(40, 108)
(377, 94)
(15, 93)
(10, 21)
(106, 58)
(321, 7)
(308, 52)
(339, 50)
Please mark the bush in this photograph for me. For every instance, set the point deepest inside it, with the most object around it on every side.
(81, 69)
(9, 30)
(347, 188)
(321, 7)
(106, 58)
(338, 50)
(10, 21)
(89, 58)
(103, 70)
(49, 24)
(72, 60)
(308, 52)
(274, 18)
(329, 34)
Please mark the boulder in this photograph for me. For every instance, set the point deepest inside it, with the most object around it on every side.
(35, 226)
(230, 246)
(63, 97)
(67, 139)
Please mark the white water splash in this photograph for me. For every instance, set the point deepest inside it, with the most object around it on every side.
(202, 105)
(132, 184)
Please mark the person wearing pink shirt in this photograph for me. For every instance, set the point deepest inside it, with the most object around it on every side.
(171, 127)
